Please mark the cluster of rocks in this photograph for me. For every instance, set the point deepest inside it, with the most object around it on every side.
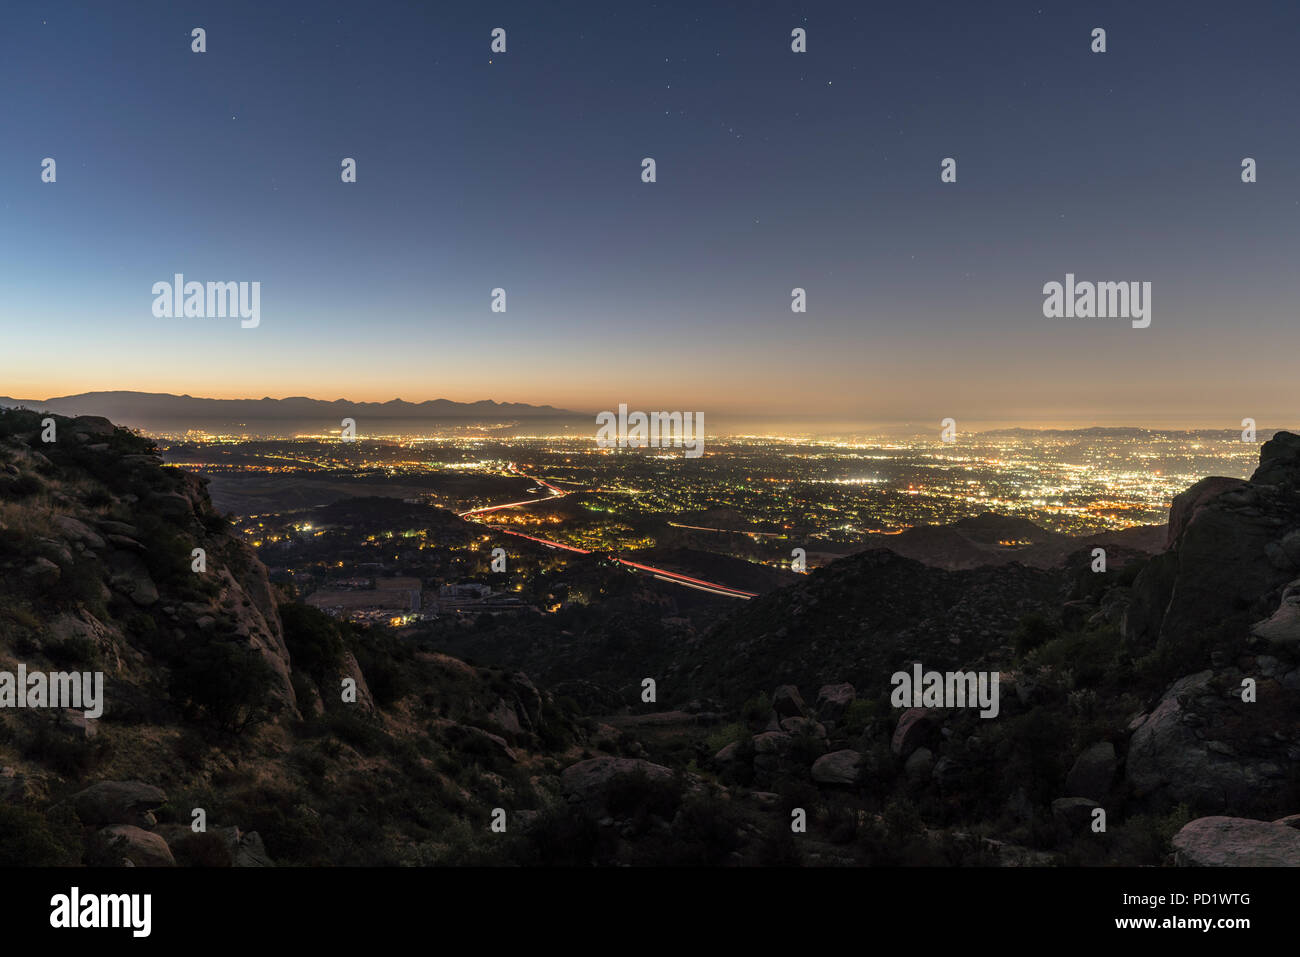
(796, 733)
(126, 831)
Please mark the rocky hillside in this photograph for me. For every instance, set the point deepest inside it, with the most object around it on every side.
(286, 729)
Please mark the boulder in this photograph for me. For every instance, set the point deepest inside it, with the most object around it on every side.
(787, 702)
(1283, 628)
(913, 728)
(772, 742)
(42, 572)
(476, 739)
(117, 802)
(803, 726)
(588, 781)
(920, 765)
(1073, 813)
(1236, 842)
(838, 767)
(1093, 772)
(142, 848)
(834, 700)
(251, 852)
(128, 575)
(1203, 746)
(79, 531)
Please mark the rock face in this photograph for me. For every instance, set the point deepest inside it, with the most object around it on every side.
(1283, 626)
(1231, 548)
(1204, 746)
(1236, 842)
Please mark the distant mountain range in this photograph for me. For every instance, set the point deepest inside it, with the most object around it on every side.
(136, 408)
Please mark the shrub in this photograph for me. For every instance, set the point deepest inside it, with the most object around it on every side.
(201, 850)
(31, 839)
(224, 682)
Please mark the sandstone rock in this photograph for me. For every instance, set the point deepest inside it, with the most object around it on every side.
(727, 754)
(838, 767)
(1073, 813)
(772, 742)
(171, 505)
(1093, 772)
(1179, 751)
(504, 716)
(587, 781)
(803, 726)
(142, 848)
(117, 802)
(1236, 842)
(79, 531)
(42, 572)
(947, 772)
(128, 575)
(787, 702)
(465, 734)
(1283, 627)
(834, 700)
(920, 765)
(1225, 554)
(913, 728)
(251, 852)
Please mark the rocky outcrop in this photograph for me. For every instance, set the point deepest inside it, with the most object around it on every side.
(1232, 546)
(1205, 746)
(118, 802)
(588, 782)
(1236, 842)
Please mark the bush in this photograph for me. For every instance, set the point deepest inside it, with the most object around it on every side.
(31, 839)
(315, 645)
(201, 850)
(1032, 631)
(224, 683)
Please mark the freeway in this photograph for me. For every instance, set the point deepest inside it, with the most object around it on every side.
(662, 574)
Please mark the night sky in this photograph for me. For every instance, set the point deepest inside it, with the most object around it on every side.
(522, 170)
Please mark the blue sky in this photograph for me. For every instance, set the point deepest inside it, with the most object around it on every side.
(522, 170)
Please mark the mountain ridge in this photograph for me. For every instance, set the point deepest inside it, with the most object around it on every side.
(123, 406)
